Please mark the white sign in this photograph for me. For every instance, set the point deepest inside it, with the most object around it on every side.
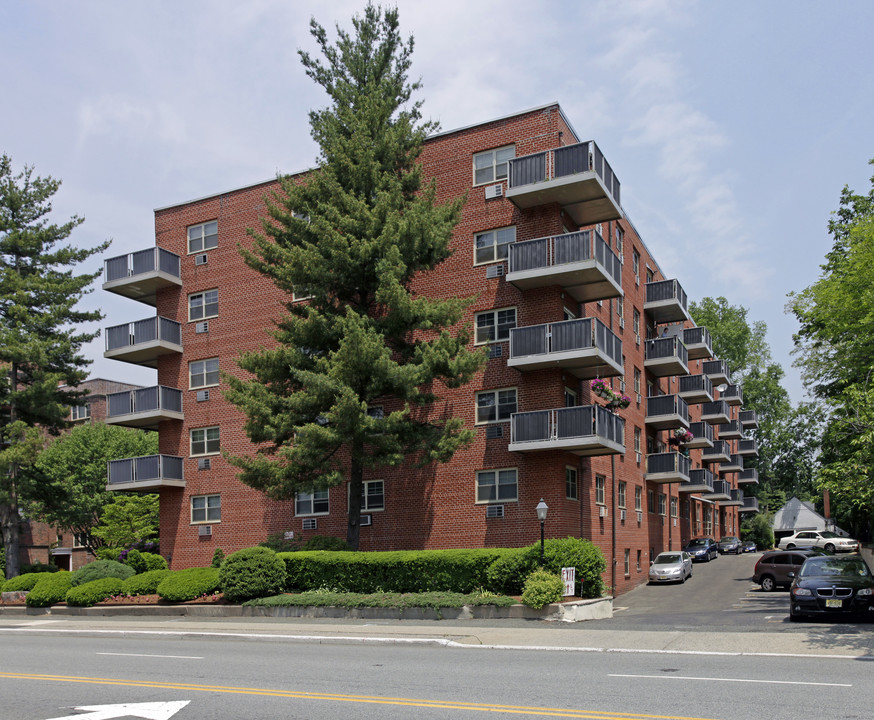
(568, 575)
(147, 711)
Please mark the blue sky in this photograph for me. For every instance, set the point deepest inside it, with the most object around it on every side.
(732, 126)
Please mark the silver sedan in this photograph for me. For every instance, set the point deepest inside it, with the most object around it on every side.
(671, 567)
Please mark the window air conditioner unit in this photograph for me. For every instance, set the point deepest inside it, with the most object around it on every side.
(675, 522)
(622, 386)
(638, 398)
(201, 259)
(365, 520)
(638, 458)
(202, 395)
(602, 511)
(310, 524)
(496, 351)
(636, 339)
(637, 280)
(622, 515)
(204, 463)
(640, 517)
(201, 327)
(621, 323)
(494, 271)
(494, 431)
(495, 511)
(494, 191)
(204, 530)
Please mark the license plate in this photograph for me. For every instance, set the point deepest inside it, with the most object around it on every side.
(834, 603)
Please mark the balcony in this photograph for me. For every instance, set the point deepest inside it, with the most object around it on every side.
(736, 499)
(721, 491)
(666, 412)
(751, 504)
(717, 371)
(731, 430)
(581, 263)
(666, 302)
(703, 435)
(144, 341)
(733, 395)
(700, 481)
(145, 474)
(577, 177)
(584, 347)
(667, 467)
(140, 275)
(715, 413)
(144, 408)
(748, 476)
(666, 356)
(734, 464)
(748, 448)
(697, 342)
(696, 389)
(584, 430)
(748, 419)
(719, 453)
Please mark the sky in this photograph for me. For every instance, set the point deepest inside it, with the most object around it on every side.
(733, 127)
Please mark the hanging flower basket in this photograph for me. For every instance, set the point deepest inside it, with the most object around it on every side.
(601, 389)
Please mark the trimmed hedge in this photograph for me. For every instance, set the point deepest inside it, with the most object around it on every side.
(51, 589)
(100, 569)
(39, 567)
(541, 588)
(145, 583)
(24, 582)
(190, 584)
(434, 600)
(251, 573)
(142, 561)
(93, 592)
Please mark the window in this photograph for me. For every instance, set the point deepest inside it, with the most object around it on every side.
(568, 314)
(298, 295)
(570, 483)
(638, 498)
(570, 398)
(494, 325)
(496, 485)
(492, 165)
(495, 405)
(620, 307)
(205, 441)
(663, 508)
(638, 561)
(203, 237)
(649, 275)
(620, 488)
(619, 236)
(206, 508)
(203, 305)
(650, 500)
(673, 507)
(491, 246)
(203, 373)
(80, 412)
(314, 503)
(627, 561)
(372, 495)
(635, 263)
(637, 440)
(635, 321)
(600, 485)
(637, 380)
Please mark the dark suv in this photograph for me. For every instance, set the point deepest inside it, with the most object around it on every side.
(702, 549)
(773, 568)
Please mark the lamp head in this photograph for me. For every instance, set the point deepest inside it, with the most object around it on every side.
(541, 509)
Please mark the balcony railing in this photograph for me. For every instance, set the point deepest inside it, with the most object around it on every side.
(144, 341)
(700, 481)
(583, 430)
(736, 498)
(667, 467)
(666, 356)
(717, 371)
(585, 347)
(145, 407)
(721, 491)
(141, 274)
(719, 453)
(751, 504)
(748, 476)
(748, 448)
(716, 412)
(666, 302)
(666, 412)
(695, 389)
(577, 177)
(580, 262)
(703, 435)
(731, 430)
(734, 464)
(697, 341)
(733, 395)
(145, 473)
(748, 419)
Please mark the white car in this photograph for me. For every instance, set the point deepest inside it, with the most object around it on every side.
(674, 566)
(824, 539)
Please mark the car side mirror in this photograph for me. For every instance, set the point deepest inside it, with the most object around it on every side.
(652, 562)
(790, 574)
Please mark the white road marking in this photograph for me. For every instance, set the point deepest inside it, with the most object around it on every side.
(147, 711)
(176, 657)
(739, 680)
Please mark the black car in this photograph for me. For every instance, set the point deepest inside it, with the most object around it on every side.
(702, 549)
(832, 586)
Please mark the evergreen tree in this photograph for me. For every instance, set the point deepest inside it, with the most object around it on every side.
(351, 236)
(40, 336)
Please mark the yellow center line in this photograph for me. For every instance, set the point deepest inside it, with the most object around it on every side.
(304, 695)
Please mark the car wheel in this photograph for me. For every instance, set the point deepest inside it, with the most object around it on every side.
(795, 618)
(768, 584)
(790, 546)
(829, 548)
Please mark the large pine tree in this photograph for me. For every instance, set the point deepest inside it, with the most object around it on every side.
(40, 334)
(351, 236)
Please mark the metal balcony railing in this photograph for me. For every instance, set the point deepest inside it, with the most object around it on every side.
(565, 336)
(144, 400)
(144, 261)
(557, 250)
(585, 421)
(151, 469)
(143, 331)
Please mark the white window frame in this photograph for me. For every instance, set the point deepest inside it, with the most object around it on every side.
(627, 565)
(621, 489)
(637, 436)
(571, 398)
(663, 504)
(496, 325)
(207, 440)
(211, 510)
(600, 489)
(204, 372)
(80, 412)
(501, 409)
(499, 251)
(321, 497)
(499, 169)
(365, 494)
(638, 498)
(204, 304)
(203, 237)
(674, 508)
(571, 483)
(497, 475)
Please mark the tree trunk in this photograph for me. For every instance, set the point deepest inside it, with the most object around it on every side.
(356, 482)
(9, 524)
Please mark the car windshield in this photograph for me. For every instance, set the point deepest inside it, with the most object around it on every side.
(828, 534)
(827, 565)
(667, 559)
(697, 543)
(727, 539)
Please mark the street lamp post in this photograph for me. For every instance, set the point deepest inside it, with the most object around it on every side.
(541, 515)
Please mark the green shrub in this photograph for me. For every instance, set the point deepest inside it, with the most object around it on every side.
(326, 542)
(153, 561)
(217, 557)
(108, 553)
(145, 583)
(508, 572)
(52, 588)
(251, 573)
(190, 584)
(434, 600)
(24, 582)
(2, 566)
(100, 569)
(278, 543)
(541, 588)
(133, 558)
(38, 567)
(91, 593)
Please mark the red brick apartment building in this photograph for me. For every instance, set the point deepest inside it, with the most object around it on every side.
(568, 293)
